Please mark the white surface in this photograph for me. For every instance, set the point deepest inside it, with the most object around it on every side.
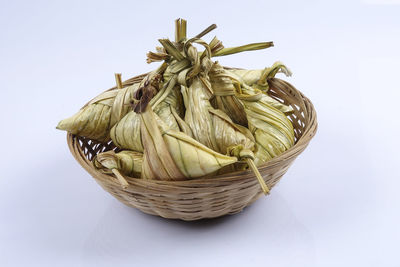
(338, 205)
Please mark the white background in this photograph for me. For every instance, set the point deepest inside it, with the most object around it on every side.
(338, 205)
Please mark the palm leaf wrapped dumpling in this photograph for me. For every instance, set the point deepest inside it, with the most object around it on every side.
(211, 127)
(99, 115)
(228, 137)
(126, 162)
(265, 98)
(226, 84)
(272, 130)
(126, 133)
(224, 94)
(170, 110)
(197, 116)
(173, 155)
(232, 139)
(95, 119)
(259, 78)
(238, 87)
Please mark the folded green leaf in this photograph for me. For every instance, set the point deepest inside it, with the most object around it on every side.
(243, 48)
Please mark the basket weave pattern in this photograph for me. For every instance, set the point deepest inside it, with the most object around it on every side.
(211, 197)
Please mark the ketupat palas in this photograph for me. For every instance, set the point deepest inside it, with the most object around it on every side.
(272, 130)
(209, 126)
(224, 97)
(127, 162)
(246, 78)
(259, 78)
(99, 115)
(173, 155)
(97, 118)
(220, 133)
(126, 133)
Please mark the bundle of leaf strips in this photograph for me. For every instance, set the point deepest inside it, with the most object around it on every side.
(190, 118)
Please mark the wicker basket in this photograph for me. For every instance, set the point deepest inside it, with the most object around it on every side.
(204, 198)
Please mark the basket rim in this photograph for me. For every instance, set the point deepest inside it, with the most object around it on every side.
(289, 155)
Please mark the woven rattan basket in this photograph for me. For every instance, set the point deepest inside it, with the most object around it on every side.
(204, 198)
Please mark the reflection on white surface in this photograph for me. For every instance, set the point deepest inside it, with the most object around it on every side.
(123, 234)
(69, 219)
